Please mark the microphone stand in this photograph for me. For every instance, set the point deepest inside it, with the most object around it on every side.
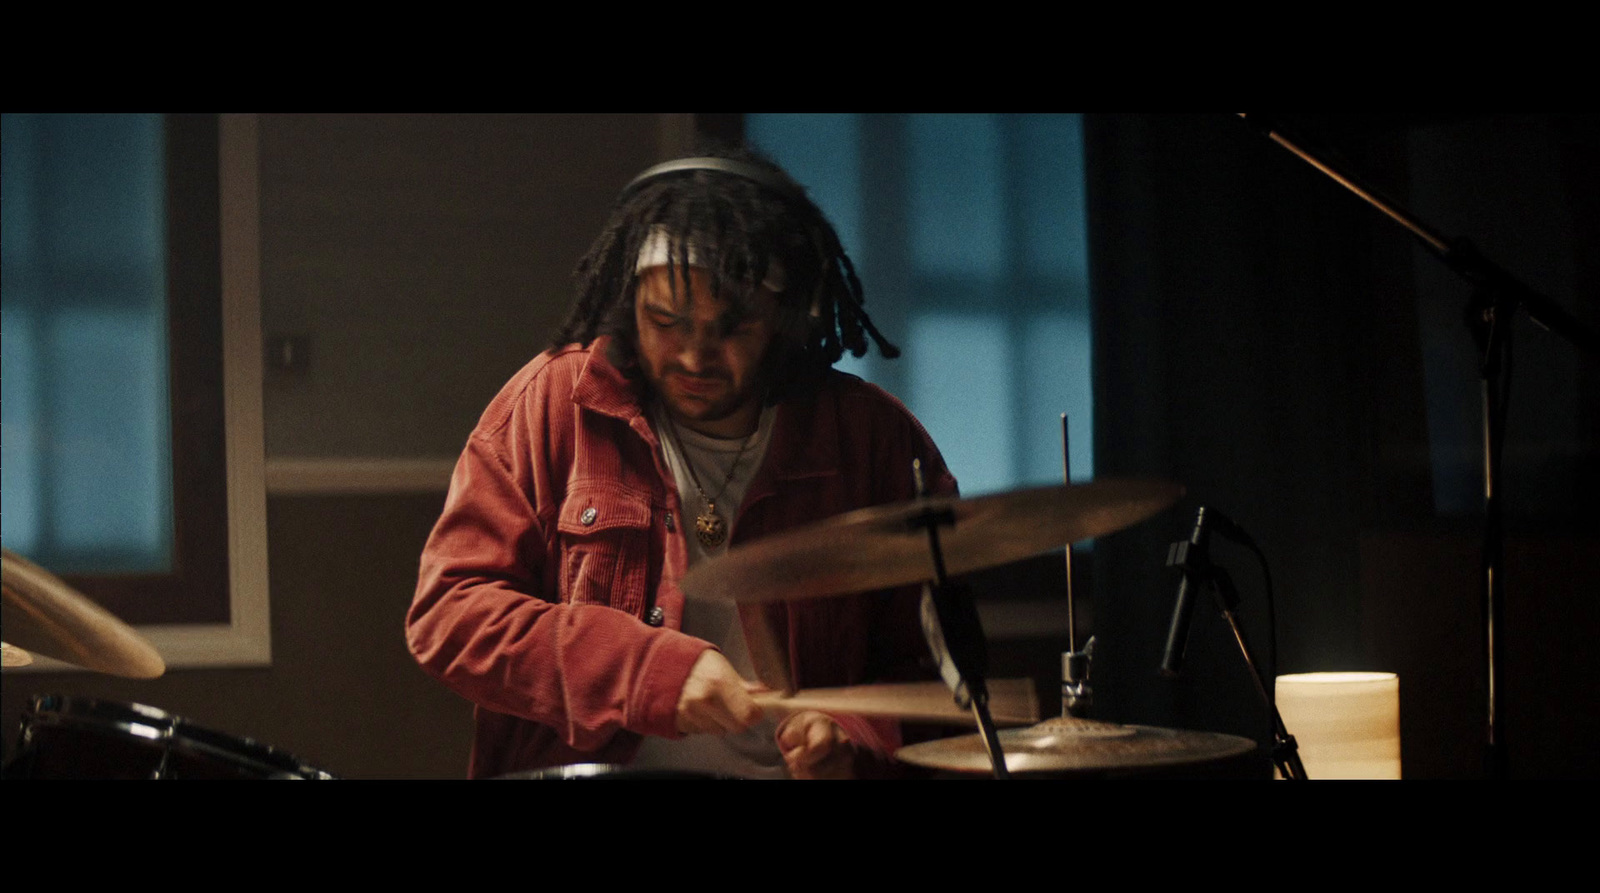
(1496, 296)
(1198, 571)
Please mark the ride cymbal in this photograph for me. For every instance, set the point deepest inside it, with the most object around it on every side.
(876, 548)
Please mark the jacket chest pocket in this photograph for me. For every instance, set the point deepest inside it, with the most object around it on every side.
(606, 546)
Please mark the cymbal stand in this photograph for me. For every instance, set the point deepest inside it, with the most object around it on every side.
(962, 630)
(1076, 695)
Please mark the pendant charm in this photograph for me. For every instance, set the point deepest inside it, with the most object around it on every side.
(710, 527)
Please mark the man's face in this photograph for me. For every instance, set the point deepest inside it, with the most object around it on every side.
(703, 364)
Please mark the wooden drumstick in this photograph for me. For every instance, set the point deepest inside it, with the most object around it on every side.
(1012, 702)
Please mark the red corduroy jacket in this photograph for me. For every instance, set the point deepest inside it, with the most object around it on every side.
(548, 590)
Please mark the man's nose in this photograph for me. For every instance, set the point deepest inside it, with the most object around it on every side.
(701, 347)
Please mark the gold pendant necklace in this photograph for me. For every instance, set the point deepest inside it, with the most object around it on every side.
(709, 526)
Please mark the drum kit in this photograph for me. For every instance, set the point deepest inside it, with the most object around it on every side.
(87, 738)
(926, 540)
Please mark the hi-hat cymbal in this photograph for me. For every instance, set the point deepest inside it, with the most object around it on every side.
(1069, 746)
(879, 547)
(48, 617)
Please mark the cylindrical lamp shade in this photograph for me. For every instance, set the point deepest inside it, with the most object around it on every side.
(1347, 725)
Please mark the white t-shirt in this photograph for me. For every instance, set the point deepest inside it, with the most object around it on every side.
(753, 753)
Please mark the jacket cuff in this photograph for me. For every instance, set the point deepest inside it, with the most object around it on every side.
(653, 705)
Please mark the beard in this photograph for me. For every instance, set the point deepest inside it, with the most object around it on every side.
(706, 397)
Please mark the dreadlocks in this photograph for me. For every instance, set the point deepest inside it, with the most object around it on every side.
(737, 228)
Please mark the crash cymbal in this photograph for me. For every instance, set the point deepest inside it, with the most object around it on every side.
(48, 617)
(12, 656)
(1068, 746)
(878, 547)
(1013, 702)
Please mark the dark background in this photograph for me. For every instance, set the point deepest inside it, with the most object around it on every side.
(1265, 338)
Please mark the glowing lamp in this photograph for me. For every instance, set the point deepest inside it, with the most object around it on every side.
(1347, 725)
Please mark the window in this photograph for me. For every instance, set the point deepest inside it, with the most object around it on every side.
(131, 372)
(969, 232)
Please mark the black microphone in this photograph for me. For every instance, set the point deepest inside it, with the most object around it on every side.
(1192, 556)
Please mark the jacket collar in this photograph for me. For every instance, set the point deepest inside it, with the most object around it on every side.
(805, 433)
(603, 388)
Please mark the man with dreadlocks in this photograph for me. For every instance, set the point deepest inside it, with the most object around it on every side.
(688, 404)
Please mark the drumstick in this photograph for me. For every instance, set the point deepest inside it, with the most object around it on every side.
(1012, 702)
(768, 656)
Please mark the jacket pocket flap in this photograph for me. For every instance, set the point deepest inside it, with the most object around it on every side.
(592, 507)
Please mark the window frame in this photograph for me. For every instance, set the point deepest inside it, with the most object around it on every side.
(213, 608)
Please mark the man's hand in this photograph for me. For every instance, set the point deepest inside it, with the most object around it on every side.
(715, 699)
(814, 746)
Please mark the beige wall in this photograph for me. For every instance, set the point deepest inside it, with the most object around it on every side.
(424, 259)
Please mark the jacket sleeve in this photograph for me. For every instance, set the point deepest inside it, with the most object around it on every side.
(488, 619)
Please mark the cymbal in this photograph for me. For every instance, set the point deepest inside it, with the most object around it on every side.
(875, 548)
(1013, 702)
(48, 617)
(1066, 746)
(12, 656)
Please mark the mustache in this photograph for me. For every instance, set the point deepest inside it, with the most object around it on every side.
(709, 375)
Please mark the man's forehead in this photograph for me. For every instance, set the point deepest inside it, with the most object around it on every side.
(657, 288)
(656, 291)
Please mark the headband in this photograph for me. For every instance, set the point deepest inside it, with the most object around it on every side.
(660, 250)
(754, 173)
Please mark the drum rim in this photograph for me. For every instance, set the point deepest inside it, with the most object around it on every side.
(165, 730)
(137, 720)
(616, 771)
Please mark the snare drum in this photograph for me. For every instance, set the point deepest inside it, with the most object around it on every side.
(84, 738)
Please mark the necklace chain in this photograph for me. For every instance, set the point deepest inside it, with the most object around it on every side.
(709, 526)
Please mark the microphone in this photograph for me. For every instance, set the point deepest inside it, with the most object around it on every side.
(1192, 556)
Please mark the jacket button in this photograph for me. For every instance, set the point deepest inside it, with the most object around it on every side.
(656, 617)
(671, 524)
(588, 516)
